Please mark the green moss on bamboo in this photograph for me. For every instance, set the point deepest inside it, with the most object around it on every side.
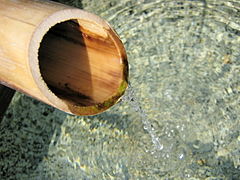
(100, 107)
(111, 101)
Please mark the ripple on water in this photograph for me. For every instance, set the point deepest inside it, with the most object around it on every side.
(184, 58)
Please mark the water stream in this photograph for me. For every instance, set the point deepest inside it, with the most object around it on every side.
(165, 144)
(131, 98)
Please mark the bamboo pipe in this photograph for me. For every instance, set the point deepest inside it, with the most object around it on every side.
(66, 57)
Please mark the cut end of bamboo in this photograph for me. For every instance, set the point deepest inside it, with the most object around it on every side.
(78, 62)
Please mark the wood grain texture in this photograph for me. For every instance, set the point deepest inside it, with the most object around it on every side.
(63, 56)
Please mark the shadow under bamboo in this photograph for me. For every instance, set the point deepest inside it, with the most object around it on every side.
(63, 56)
(6, 95)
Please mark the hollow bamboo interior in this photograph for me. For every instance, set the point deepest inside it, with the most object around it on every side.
(66, 57)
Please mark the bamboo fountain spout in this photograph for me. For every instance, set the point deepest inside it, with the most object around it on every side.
(63, 56)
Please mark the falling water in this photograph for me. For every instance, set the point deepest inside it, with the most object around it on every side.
(165, 139)
(135, 103)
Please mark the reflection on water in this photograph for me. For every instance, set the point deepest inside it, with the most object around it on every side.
(184, 70)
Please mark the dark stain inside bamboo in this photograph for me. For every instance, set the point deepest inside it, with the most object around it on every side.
(78, 65)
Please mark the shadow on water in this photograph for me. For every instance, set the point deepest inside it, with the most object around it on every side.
(6, 95)
(210, 164)
(228, 169)
(113, 120)
(26, 132)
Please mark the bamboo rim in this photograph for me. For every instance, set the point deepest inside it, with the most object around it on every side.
(34, 64)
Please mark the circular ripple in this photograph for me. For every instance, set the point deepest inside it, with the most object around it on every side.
(184, 64)
(184, 67)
